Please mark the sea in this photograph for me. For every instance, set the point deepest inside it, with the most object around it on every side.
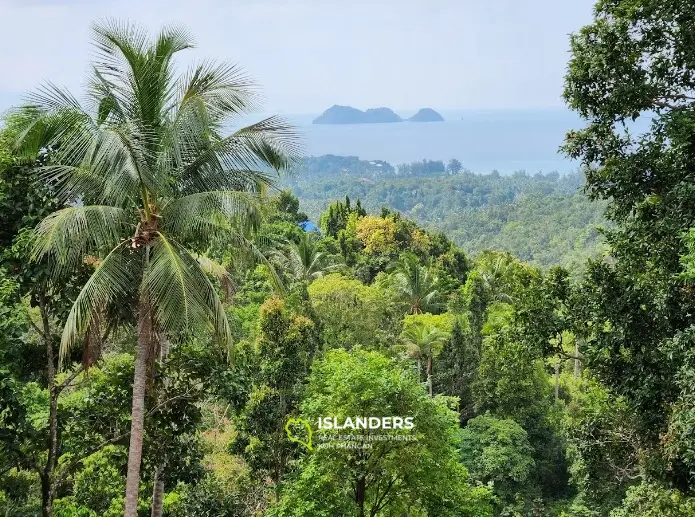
(483, 140)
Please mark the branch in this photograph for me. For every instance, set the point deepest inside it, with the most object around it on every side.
(37, 329)
(59, 479)
(110, 441)
(60, 387)
(185, 395)
(567, 355)
(378, 505)
(663, 103)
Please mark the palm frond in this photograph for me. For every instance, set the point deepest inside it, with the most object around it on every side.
(68, 234)
(180, 293)
(218, 271)
(245, 158)
(112, 280)
(191, 216)
(219, 90)
(53, 120)
(138, 71)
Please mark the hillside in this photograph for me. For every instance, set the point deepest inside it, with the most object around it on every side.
(542, 219)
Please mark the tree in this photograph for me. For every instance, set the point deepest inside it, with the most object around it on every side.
(282, 358)
(424, 341)
(457, 368)
(655, 500)
(377, 234)
(151, 155)
(21, 209)
(454, 166)
(390, 477)
(498, 451)
(415, 285)
(353, 314)
(286, 207)
(305, 262)
(512, 384)
(632, 68)
(335, 217)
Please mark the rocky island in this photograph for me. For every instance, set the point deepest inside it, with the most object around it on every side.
(349, 115)
(426, 115)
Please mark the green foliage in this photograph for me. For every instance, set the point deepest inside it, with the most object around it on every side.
(542, 219)
(653, 500)
(457, 369)
(101, 479)
(415, 286)
(149, 199)
(635, 61)
(284, 350)
(208, 498)
(422, 475)
(304, 262)
(353, 313)
(603, 445)
(497, 451)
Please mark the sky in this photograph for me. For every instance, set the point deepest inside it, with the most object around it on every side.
(310, 54)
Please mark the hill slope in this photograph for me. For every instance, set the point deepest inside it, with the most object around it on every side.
(542, 219)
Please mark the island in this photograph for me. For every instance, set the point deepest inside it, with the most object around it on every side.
(349, 115)
(426, 115)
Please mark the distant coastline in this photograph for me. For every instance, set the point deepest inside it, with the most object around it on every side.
(349, 115)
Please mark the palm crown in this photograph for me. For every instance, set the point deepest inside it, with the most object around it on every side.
(306, 263)
(150, 177)
(416, 285)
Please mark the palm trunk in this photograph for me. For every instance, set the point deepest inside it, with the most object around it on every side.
(160, 471)
(138, 409)
(429, 375)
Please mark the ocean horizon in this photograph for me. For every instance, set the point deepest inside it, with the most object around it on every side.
(483, 140)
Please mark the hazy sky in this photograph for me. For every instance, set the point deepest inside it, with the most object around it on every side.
(310, 54)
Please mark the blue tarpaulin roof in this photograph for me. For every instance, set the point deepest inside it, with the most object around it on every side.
(308, 226)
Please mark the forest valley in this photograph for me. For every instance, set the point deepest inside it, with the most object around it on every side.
(163, 315)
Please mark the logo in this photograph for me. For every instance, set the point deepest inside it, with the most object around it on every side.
(293, 423)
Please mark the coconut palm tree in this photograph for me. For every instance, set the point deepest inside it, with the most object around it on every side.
(305, 262)
(424, 342)
(416, 285)
(153, 177)
(498, 272)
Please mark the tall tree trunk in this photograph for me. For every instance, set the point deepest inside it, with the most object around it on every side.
(429, 375)
(160, 471)
(137, 422)
(158, 493)
(46, 499)
(557, 379)
(577, 362)
(47, 475)
(360, 495)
